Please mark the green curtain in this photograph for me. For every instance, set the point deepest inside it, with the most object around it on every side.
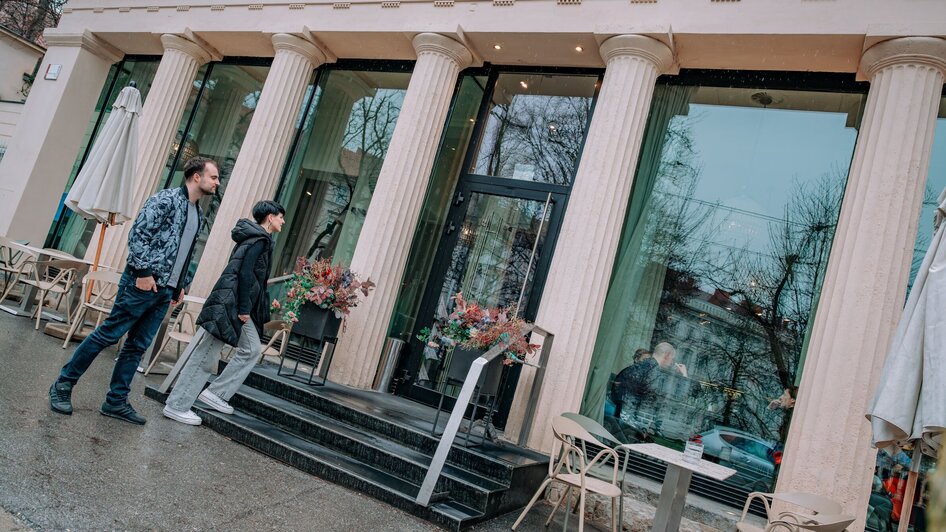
(633, 299)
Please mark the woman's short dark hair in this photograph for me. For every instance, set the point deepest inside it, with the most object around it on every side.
(264, 208)
(196, 165)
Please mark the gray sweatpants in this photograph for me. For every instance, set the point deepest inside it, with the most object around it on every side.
(202, 363)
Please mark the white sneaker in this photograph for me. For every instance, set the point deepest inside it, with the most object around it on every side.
(188, 418)
(213, 401)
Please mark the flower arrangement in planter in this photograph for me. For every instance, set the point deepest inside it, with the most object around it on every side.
(472, 326)
(323, 289)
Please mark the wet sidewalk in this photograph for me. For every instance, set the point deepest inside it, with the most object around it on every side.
(89, 472)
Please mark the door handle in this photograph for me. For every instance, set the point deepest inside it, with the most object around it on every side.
(459, 199)
(450, 228)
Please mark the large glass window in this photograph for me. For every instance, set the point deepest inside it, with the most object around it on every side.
(222, 104)
(535, 127)
(69, 232)
(333, 170)
(890, 474)
(734, 207)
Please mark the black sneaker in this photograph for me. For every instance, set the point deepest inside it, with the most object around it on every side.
(60, 398)
(123, 412)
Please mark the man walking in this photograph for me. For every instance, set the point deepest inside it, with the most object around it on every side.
(160, 247)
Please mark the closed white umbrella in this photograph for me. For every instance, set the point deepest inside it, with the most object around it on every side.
(103, 189)
(909, 404)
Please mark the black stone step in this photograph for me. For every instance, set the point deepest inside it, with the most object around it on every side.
(407, 424)
(334, 466)
(464, 486)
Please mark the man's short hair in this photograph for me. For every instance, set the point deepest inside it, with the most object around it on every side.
(664, 348)
(196, 165)
(264, 208)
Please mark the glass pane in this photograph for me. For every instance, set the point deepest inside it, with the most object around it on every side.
(492, 262)
(535, 127)
(332, 173)
(890, 474)
(218, 127)
(730, 223)
(443, 182)
(71, 233)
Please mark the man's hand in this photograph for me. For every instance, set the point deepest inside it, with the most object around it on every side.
(244, 317)
(177, 300)
(146, 284)
(682, 369)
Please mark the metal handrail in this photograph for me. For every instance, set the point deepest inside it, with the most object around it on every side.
(463, 401)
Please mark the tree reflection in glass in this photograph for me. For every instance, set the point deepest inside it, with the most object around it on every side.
(735, 205)
(536, 127)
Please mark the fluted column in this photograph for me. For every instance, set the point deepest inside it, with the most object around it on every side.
(160, 117)
(578, 278)
(264, 149)
(381, 252)
(828, 448)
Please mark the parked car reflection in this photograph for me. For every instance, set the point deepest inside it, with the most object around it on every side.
(754, 459)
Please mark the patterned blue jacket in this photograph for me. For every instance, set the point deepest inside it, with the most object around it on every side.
(155, 238)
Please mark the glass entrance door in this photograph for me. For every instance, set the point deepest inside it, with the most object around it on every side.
(495, 250)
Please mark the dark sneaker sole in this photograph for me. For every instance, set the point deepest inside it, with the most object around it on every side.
(123, 418)
(63, 412)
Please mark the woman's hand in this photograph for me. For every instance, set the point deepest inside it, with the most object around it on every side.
(244, 317)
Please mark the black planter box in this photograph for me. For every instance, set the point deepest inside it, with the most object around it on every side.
(316, 323)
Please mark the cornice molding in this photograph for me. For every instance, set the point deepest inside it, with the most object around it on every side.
(924, 51)
(647, 48)
(443, 45)
(85, 40)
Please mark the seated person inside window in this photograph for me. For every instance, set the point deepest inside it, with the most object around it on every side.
(637, 385)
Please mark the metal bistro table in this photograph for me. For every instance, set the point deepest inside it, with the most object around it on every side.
(25, 308)
(673, 494)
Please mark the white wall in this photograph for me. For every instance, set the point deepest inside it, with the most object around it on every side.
(16, 59)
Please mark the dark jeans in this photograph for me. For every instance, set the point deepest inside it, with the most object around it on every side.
(135, 312)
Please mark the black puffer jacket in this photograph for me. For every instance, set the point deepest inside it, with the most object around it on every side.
(241, 288)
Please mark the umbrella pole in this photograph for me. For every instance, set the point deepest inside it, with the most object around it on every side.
(98, 253)
(907, 505)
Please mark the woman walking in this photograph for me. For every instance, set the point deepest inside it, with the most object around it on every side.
(234, 315)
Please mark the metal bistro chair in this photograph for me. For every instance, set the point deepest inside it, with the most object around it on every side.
(569, 464)
(825, 517)
(47, 277)
(599, 431)
(182, 329)
(12, 258)
(278, 341)
(104, 288)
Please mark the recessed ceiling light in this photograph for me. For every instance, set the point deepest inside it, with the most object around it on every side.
(579, 49)
(524, 85)
(497, 47)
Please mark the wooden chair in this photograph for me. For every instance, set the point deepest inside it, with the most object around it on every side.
(569, 464)
(104, 286)
(825, 513)
(181, 330)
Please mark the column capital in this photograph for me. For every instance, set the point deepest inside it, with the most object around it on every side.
(85, 40)
(192, 46)
(442, 45)
(648, 48)
(285, 42)
(924, 51)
